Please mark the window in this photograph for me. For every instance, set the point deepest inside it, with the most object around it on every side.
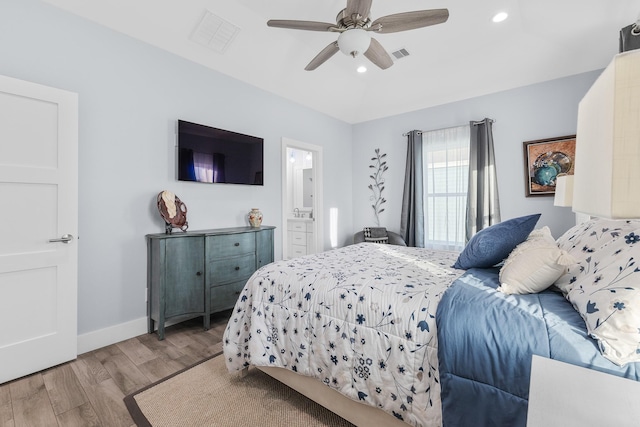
(208, 167)
(445, 182)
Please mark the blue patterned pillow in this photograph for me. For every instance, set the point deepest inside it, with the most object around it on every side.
(492, 245)
(604, 287)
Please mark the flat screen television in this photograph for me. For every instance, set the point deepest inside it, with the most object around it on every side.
(207, 154)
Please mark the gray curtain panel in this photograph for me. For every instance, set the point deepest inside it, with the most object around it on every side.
(412, 216)
(483, 206)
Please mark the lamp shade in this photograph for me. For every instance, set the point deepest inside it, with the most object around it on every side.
(607, 161)
(354, 42)
(564, 191)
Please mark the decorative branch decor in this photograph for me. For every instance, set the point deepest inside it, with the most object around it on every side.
(379, 167)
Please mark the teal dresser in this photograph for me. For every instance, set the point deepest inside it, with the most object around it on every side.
(201, 272)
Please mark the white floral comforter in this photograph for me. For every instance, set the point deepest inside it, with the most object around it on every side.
(360, 318)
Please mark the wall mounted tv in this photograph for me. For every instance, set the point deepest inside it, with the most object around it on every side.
(207, 154)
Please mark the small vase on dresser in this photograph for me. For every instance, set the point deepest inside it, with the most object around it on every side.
(255, 217)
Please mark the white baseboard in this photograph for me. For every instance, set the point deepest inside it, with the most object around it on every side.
(114, 334)
(111, 335)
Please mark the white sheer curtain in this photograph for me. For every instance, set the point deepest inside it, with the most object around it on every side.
(445, 154)
(203, 166)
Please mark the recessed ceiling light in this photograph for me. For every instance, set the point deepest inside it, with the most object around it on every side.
(362, 69)
(500, 16)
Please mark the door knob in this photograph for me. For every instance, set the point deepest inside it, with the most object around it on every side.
(66, 238)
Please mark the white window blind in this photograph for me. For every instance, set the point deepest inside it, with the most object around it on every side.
(446, 180)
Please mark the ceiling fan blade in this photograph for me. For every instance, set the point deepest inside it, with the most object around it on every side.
(409, 20)
(378, 55)
(322, 57)
(301, 25)
(359, 7)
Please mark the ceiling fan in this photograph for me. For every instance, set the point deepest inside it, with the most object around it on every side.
(353, 24)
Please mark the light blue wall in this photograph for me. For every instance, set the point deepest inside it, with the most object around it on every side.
(544, 110)
(130, 96)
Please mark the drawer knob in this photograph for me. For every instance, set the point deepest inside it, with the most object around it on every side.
(236, 244)
(199, 273)
(237, 268)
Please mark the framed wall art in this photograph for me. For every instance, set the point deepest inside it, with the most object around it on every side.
(544, 161)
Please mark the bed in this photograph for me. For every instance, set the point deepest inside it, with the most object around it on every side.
(408, 338)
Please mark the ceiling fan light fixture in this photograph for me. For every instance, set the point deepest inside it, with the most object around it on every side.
(355, 26)
(354, 42)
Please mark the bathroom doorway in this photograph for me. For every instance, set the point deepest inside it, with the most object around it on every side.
(302, 219)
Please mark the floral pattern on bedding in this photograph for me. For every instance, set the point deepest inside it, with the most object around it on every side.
(604, 286)
(361, 319)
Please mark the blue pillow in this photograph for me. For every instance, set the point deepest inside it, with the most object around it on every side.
(493, 244)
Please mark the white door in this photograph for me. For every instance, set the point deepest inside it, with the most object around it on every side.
(39, 203)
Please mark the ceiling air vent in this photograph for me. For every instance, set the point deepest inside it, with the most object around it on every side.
(400, 53)
(214, 32)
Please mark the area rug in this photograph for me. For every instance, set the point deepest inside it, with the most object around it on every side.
(206, 394)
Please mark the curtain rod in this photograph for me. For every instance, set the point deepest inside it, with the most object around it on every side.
(475, 123)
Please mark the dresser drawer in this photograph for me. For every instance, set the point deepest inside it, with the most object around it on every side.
(297, 250)
(298, 238)
(304, 226)
(220, 271)
(297, 226)
(230, 244)
(225, 297)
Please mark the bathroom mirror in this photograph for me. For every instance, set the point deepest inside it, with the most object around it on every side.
(307, 188)
(303, 188)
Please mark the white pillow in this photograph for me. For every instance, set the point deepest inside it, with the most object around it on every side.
(604, 287)
(534, 264)
(587, 238)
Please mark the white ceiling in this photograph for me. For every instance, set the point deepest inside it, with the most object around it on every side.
(465, 57)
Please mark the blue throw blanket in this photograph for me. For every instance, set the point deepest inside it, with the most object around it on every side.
(485, 343)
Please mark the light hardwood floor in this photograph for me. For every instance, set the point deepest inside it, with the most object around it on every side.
(88, 391)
